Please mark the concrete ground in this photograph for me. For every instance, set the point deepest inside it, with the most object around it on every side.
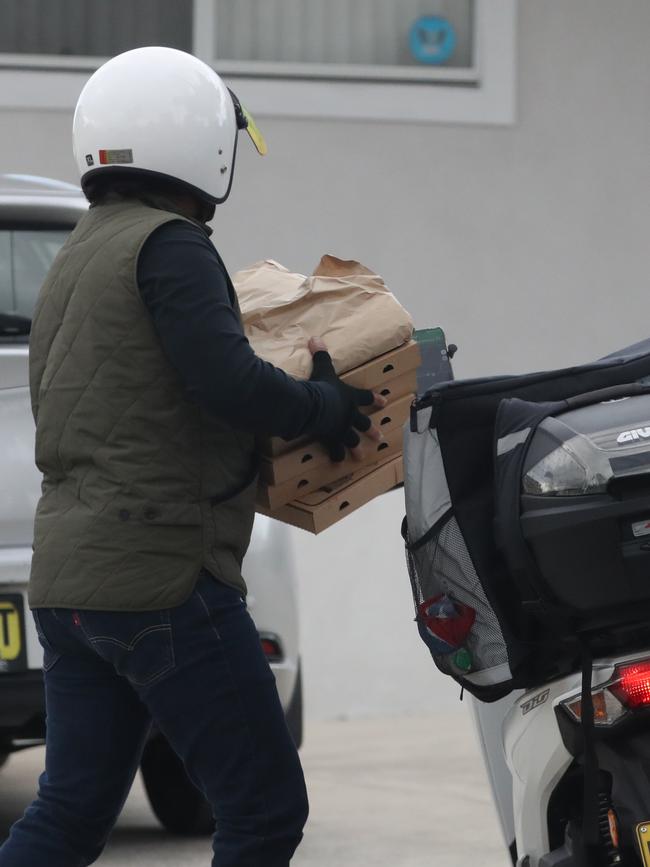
(401, 792)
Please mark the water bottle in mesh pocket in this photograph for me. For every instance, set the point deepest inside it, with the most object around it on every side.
(444, 624)
(440, 565)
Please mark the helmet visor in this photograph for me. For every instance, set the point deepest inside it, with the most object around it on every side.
(246, 121)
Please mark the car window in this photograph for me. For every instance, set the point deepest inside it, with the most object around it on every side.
(25, 258)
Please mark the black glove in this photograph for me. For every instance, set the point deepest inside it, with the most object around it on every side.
(350, 420)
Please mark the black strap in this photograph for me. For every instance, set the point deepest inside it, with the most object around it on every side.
(430, 534)
(614, 392)
(590, 804)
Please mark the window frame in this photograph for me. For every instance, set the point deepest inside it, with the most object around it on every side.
(482, 94)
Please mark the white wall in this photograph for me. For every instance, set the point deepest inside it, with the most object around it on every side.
(529, 244)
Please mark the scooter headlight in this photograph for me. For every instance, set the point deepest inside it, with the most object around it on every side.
(573, 469)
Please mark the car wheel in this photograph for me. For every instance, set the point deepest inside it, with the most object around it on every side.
(294, 711)
(175, 800)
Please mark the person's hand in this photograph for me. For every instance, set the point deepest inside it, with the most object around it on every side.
(353, 421)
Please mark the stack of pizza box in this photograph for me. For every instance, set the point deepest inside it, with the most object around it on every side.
(300, 485)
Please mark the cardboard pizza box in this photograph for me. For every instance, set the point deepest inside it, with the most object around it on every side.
(281, 468)
(393, 375)
(384, 368)
(322, 509)
(400, 387)
(273, 496)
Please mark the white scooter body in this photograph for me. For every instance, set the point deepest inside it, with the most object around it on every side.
(526, 758)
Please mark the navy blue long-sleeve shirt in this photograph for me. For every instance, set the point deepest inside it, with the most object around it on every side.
(186, 289)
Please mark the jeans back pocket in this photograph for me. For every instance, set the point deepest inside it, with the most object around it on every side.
(138, 644)
(50, 654)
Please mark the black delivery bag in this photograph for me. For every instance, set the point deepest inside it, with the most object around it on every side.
(514, 565)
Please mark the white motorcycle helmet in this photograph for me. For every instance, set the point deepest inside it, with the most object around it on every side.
(164, 113)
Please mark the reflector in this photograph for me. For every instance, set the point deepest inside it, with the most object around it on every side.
(607, 709)
(614, 834)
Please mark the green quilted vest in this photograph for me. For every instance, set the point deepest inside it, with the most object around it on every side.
(141, 487)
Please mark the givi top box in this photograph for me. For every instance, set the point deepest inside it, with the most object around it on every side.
(584, 501)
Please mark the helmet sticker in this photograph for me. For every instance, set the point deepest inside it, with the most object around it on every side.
(89, 160)
(116, 157)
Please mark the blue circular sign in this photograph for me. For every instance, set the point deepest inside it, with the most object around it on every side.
(432, 39)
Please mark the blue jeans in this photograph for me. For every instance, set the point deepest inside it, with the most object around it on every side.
(200, 673)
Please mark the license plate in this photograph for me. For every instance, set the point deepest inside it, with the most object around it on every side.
(643, 836)
(13, 652)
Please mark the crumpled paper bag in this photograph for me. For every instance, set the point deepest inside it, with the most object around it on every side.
(343, 302)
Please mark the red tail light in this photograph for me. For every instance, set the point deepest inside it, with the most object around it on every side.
(627, 690)
(632, 687)
(271, 647)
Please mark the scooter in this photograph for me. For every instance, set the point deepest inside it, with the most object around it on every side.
(532, 748)
(554, 498)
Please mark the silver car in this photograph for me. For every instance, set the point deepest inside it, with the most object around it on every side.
(36, 215)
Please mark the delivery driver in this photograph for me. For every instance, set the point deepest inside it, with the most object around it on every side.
(147, 398)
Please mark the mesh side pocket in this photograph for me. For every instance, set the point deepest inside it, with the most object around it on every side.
(443, 565)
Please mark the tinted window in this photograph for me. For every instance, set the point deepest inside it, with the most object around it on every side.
(25, 258)
(96, 28)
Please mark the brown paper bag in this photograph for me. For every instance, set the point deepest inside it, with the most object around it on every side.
(344, 303)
